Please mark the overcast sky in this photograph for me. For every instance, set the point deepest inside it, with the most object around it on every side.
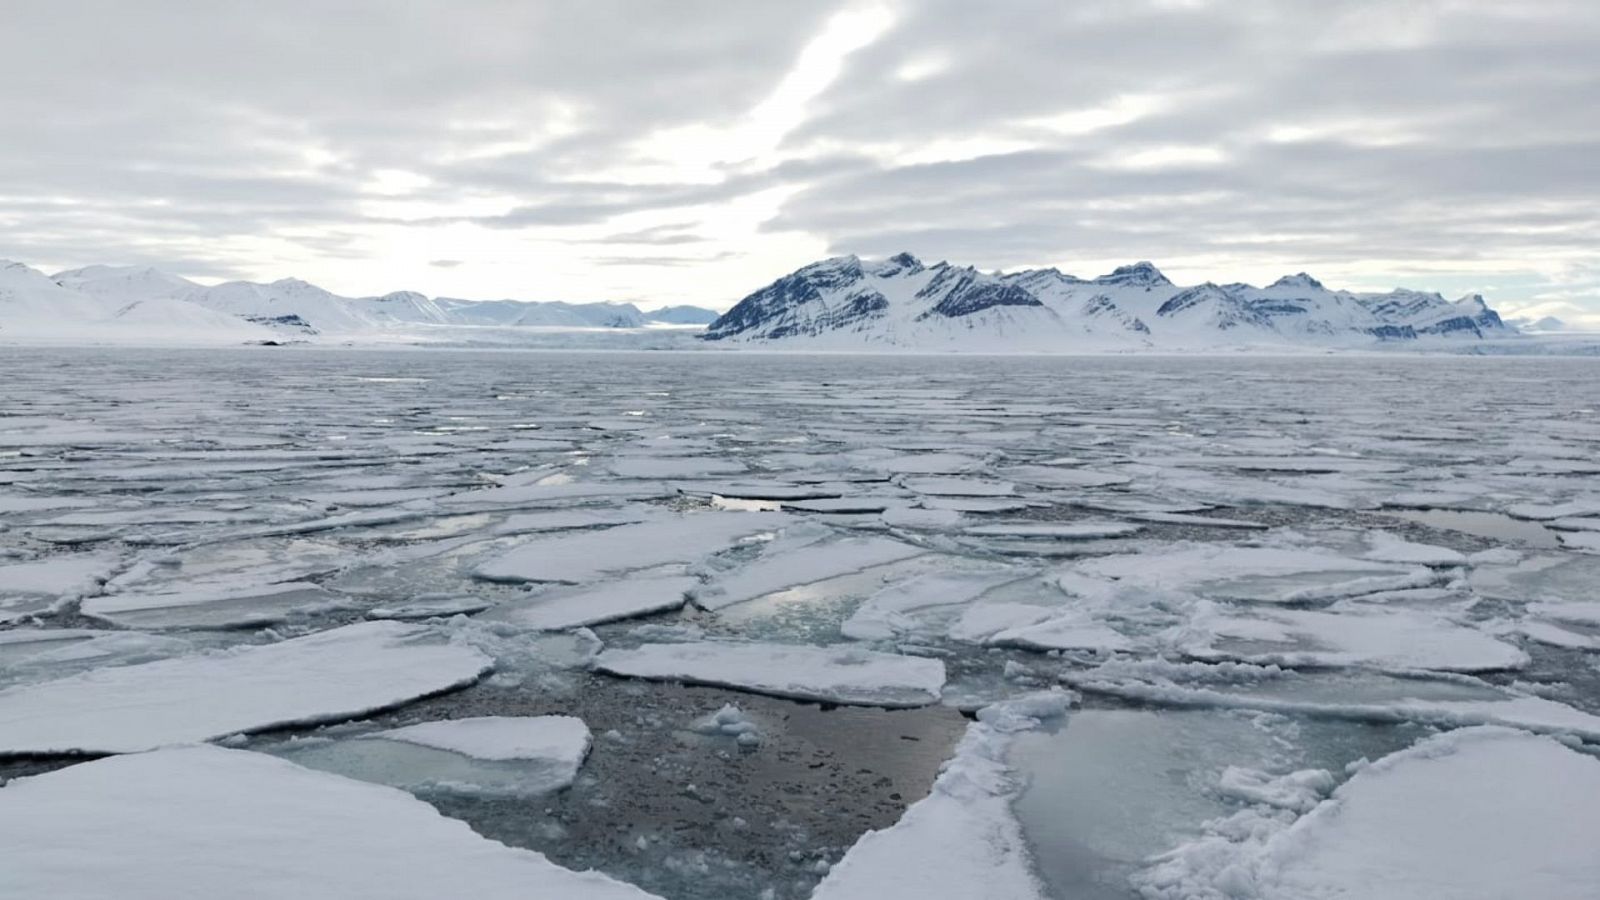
(693, 151)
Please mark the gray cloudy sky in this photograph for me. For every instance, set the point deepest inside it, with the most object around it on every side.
(691, 151)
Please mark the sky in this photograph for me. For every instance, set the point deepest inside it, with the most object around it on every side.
(692, 152)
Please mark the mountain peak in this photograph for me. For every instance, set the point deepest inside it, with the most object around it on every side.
(1140, 274)
(1298, 280)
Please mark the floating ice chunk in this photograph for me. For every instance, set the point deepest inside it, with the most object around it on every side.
(1386, 547)
(838, 674)
(522, 496)
(959, 487)
(858, 505)
(1258, 574)
(916, 517)
(900, 608)
(756, 490)
(1551, 578)
(429, 606)
(336, 674)
(673, 467)
(562, 519)
(1582, 541)
(1072, 630)
(1475, 814)
(1062, 531)
(1556, 636)
(1369, 636)
(1529, 713)
(591, 554)
(1057, 477)
(593, 604)
(40, 585)
(926, 464)
(1581, 612)
(782, 568)
(560, 738)
(263, 827)
(1298, 791)
(213, 606)
(959, 842)
(1173, 518)
(1583, 506)
(729, 721)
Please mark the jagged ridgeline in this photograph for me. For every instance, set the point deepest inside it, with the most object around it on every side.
(900, 301)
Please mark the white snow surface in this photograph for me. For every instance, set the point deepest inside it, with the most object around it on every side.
(786, 568)
(561, 739)
(593, 604)
(209, 822)
(837, 674)
(589, 555)
(327, 676)
(1482, 813)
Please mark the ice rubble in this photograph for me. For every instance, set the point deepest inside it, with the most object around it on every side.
(1477, 814)
(209, 822)
(839, 674)
(330, 675)
(962, 840)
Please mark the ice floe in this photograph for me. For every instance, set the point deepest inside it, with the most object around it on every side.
(262, 826)
(562, 608)
(838, 674)
(591, 554)
(1474, 814)
(331, 675)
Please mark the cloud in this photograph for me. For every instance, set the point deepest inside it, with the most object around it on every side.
(691, 152)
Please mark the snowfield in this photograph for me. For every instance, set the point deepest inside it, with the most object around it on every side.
(357, 623)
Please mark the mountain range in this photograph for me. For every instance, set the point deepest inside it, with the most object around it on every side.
(847, 302)
(138, 304)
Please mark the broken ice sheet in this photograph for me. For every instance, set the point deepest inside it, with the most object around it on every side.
(662, 541)
(213, 606)
(571, 607)
(802, 557)
(1353, 635)
(838, 674)
(486, 755)
(263, 826)
(1476, 814)
(327, 676)
(1262, 574)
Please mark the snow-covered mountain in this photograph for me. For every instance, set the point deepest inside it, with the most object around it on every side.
(145, 305)
(899, 301)
(135, 306)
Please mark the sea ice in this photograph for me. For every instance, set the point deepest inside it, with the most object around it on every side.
(588, 555)
(839, 674)
(962, 840)
(209, 822)
(564, 608)
(1369, 636)
(902, 608)
(336, 674)
(1478, 814)
(213, 606)
(779, 567)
